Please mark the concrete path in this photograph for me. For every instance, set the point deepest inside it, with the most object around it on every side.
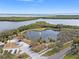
(60, 55)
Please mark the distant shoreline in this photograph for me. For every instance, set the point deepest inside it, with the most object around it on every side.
(34, 17)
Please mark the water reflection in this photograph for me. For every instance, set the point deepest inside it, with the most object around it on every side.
(45, 35)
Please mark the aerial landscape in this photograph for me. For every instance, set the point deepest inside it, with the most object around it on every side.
(39, 29)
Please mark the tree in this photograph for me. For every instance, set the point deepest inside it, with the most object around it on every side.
(75, 46)
(59, 26)
(1, 50)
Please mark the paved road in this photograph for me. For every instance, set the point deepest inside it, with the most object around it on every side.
(35, 55)
(60, 54)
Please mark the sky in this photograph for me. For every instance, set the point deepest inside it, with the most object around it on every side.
(39, 6)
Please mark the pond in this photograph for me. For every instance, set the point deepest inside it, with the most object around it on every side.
(44, 35)
(7, 25)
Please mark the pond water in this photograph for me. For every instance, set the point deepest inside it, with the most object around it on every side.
(45, 35)
(7, 25)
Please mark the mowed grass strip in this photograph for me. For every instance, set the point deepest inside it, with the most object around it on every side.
(49, 53)
(69, 56)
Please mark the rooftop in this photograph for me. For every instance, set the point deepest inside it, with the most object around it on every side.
(11, 45)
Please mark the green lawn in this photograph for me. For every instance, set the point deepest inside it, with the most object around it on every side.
(71, 57)
(66, 45)
(49, 53)
(38, 29)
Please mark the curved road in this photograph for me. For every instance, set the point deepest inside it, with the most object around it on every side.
(25, 47)
(60, 55)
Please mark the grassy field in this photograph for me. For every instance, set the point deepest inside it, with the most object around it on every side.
(66, 45)
(71, 57)
(39, 29)
(49, 53)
